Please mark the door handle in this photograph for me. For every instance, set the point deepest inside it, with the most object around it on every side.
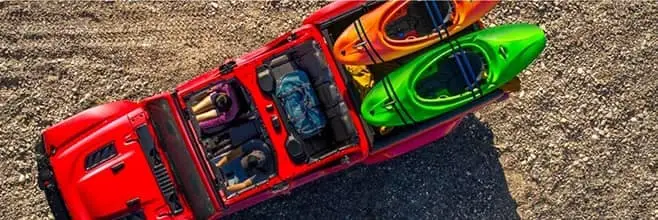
(283, 186)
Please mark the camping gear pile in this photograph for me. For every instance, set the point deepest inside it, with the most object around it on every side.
(439, 56)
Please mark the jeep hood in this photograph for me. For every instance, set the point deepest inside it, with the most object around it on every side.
(83, 122)
(99, 165)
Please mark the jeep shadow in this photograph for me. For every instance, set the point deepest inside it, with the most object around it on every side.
(458, 177)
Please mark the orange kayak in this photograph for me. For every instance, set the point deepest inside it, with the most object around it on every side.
(398, 28)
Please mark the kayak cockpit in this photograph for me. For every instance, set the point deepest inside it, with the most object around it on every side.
(444, 79)
(412, 20)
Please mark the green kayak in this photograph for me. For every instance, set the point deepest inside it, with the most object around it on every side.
(440, 80)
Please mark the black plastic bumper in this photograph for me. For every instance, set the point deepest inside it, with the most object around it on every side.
(46, 182)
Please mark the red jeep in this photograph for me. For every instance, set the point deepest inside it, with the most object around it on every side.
(150, 159)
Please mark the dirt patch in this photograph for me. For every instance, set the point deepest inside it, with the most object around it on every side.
(579, 140)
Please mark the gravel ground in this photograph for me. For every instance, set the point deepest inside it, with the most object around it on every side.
(578, 142)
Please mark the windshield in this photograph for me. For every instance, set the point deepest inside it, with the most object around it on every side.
(180, 158)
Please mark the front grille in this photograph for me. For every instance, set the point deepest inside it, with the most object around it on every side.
(163, 179)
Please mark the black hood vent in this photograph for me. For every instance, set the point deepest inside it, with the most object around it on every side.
(159, 171)
(101, 155)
